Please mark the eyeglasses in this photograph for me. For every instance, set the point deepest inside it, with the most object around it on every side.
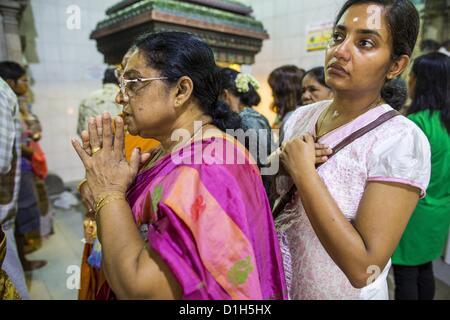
(136, 85)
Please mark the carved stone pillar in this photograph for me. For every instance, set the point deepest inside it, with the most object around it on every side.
(10, 45)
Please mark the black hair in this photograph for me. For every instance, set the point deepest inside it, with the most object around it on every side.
(429, 45)
(319, 74)
(403, 23)
(110, 76)
(228, 76)
(395, 93)
(432, 89)
(10, 70)
(178, 54)
(286, 85)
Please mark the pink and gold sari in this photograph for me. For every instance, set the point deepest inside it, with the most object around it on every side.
(210, 222)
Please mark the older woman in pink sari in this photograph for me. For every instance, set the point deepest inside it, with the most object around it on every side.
(189, 223)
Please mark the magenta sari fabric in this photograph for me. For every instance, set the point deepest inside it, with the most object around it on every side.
(210, 222)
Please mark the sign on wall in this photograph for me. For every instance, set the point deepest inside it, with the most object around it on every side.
(318, 36)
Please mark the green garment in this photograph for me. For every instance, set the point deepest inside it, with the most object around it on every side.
(426, 234)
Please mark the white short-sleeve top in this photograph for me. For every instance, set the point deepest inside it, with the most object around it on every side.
(396, 151)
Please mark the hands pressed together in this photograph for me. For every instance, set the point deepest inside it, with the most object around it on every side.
(103, 156)
(108, 171)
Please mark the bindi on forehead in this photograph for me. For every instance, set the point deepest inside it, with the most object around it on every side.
(366, 16)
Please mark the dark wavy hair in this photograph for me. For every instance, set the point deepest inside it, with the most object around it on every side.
(432, 89)
(286, 85)
(228, 81)
(403, 22)
(178, 54)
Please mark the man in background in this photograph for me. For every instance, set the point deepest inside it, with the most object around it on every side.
(100, 101)
(10, 133)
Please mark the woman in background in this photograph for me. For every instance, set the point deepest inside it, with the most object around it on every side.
(238, 90)
(425, 236)
(286, 85)
(314, 87)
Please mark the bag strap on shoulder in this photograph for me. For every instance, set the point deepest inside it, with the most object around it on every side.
(348, 140)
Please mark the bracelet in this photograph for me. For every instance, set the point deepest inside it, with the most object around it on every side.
(107, 199)
(81, 184)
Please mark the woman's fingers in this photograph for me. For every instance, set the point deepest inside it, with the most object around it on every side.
(144, 157)
(323, 152)
(308, 138)
(107, 132)
(135, 161)
(321, 160)
(85, 141)
(81, 153)
(99, 122)
(119, 136)
(93, 134)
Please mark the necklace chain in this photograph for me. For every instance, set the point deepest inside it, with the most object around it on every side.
(320, 125)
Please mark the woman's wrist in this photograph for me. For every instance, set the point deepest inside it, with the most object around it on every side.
(303, 174)
(106, 198)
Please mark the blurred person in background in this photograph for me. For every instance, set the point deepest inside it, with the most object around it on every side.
(314, 87)
(429, 45)
(395, 93)
(239, 91)
(425, 236)
(286, 85)
(102, 100)
(10, 153)
(28, 231)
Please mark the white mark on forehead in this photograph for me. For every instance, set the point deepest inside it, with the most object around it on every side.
(355, 20)
(374, 19)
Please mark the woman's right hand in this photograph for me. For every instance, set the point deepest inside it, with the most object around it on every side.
(322, 153)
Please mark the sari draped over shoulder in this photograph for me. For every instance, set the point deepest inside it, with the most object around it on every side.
(204, 210)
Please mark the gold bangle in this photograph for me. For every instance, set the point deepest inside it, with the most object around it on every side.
(106, 199)
(81, 184)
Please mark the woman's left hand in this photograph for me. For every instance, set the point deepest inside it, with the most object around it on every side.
(107, 169)
(298, 156)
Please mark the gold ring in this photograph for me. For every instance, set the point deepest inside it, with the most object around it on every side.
(95, 150)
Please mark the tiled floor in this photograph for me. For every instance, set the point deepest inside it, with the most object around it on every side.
(63, 252)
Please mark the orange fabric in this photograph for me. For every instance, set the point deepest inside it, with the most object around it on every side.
(91, 280)
(132, 142)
